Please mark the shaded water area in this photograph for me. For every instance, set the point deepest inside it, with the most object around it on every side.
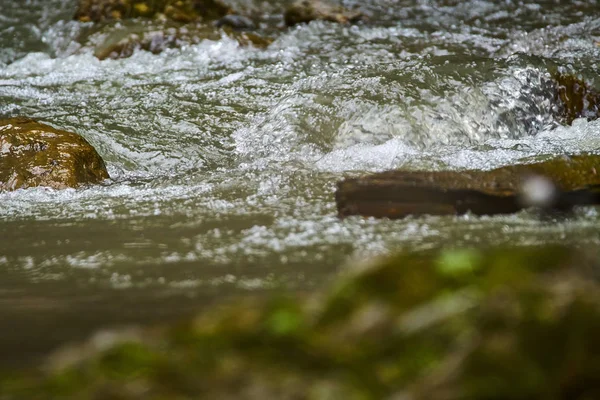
(223, 158)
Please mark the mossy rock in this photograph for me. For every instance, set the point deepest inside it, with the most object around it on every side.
(510, 323)
(576, 98)
(398, 193)
(176, 10)
(304, 11)
(35, 154)
(155, 38)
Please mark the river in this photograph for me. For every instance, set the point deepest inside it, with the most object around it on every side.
(223, 158)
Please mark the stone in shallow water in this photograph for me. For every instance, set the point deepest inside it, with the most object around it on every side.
(304, 11)
(576, 99)
(122, 42)
(35, 154)
(177, 10)
(505, 323)
(397, 194)
(238, 22)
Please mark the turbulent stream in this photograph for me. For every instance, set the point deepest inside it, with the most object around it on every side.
(223, 158)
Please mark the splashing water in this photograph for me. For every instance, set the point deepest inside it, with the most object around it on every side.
(224, 158)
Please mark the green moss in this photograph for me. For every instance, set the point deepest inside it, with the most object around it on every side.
(458, 262)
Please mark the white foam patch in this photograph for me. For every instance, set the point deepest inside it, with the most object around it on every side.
(98, 202)
(582, 136)
(556, 41)
(389, 155)
(40, 69)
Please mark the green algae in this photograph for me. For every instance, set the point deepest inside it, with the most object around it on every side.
(451, 324)
(34, 154)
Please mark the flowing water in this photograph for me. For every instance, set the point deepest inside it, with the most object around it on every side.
(223, 159)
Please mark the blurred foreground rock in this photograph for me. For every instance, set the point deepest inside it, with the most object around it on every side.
(397, 194)
(35, 154)
(519, 323)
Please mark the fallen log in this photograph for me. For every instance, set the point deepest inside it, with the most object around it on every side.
(570, 181)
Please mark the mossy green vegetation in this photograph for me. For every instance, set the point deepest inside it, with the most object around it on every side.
(518, 323)
(35, 154)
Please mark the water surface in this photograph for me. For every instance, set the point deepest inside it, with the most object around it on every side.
(223, 159)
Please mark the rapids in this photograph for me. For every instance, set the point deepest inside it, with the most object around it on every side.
(224, 158)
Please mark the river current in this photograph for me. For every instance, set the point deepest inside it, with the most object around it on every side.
(224, 159)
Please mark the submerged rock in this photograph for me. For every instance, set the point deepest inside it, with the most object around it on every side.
(397, 194)
(159, 40)
(519, 323)
(35, 154)
(123, 43)
(176, 10)
(304, 11)
(238, 22)
(576, 98)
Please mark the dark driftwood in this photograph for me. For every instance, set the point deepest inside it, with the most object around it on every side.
(396, 194)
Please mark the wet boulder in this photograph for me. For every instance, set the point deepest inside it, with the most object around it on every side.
(304, 11)
(35, 154)
(507, 323)
(176, 10)
(399, 193)
(576, 99)
(123, 41)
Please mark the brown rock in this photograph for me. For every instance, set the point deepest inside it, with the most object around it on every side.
(35, 154)
(304, 11)
(177, 10)
(576, 98)
(397, 194)
(156, 38)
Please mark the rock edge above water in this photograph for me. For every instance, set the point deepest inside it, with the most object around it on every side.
(397, 194)
(176, 10)
(304, 11)
(155, 38)
(301, 11)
